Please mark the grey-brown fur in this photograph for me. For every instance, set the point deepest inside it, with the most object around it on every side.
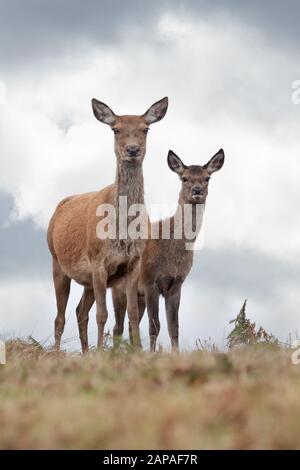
(165, 264)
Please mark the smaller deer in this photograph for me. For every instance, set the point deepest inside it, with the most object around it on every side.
(166, 263)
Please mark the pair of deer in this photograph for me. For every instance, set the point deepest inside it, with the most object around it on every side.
(138, 271)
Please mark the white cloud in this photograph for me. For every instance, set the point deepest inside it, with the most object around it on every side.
(26, 308)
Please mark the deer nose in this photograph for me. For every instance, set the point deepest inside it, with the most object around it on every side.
(197, 191)
(132, 150)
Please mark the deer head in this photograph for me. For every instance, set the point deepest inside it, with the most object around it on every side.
(130, 131)
(195, 178)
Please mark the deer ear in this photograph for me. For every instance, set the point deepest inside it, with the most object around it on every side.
(157, 111)
(175, 164)
(216, 162)
(103, 112)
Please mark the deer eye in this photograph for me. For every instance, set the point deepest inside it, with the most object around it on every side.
(184, 180)
(207, 179)
(116, 130)
(146, 130)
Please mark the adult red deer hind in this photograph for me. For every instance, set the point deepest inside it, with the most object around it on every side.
(76, 250)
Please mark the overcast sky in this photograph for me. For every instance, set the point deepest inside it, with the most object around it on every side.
(228, 69)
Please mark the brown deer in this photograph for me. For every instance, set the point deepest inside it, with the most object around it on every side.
(166, 263)
(77, 252)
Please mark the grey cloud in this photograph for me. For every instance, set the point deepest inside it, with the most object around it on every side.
(244, 272)
(45, 31)
(34, 30)
(278, 20)
(219, 283)
(23, 248)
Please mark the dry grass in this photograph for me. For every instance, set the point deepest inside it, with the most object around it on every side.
(247, 398)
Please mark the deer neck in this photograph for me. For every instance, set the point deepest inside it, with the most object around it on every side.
(191, 217)
(130, 183)
(130, 190)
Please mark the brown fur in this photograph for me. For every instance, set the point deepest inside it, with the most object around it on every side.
(78, 254)
(166, 263)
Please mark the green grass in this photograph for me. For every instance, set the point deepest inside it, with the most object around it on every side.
(247, 398)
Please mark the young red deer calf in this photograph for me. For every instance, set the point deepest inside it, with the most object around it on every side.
(166, 263)
(77, 251)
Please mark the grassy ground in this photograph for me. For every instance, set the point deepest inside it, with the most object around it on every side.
(247, 398)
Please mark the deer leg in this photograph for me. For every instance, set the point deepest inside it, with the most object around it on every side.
(142, 307)
(152, 301)
(172, 303)
(100, 287)
(133, 309)
(62, 290)
(82, 313)
(120, 305)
